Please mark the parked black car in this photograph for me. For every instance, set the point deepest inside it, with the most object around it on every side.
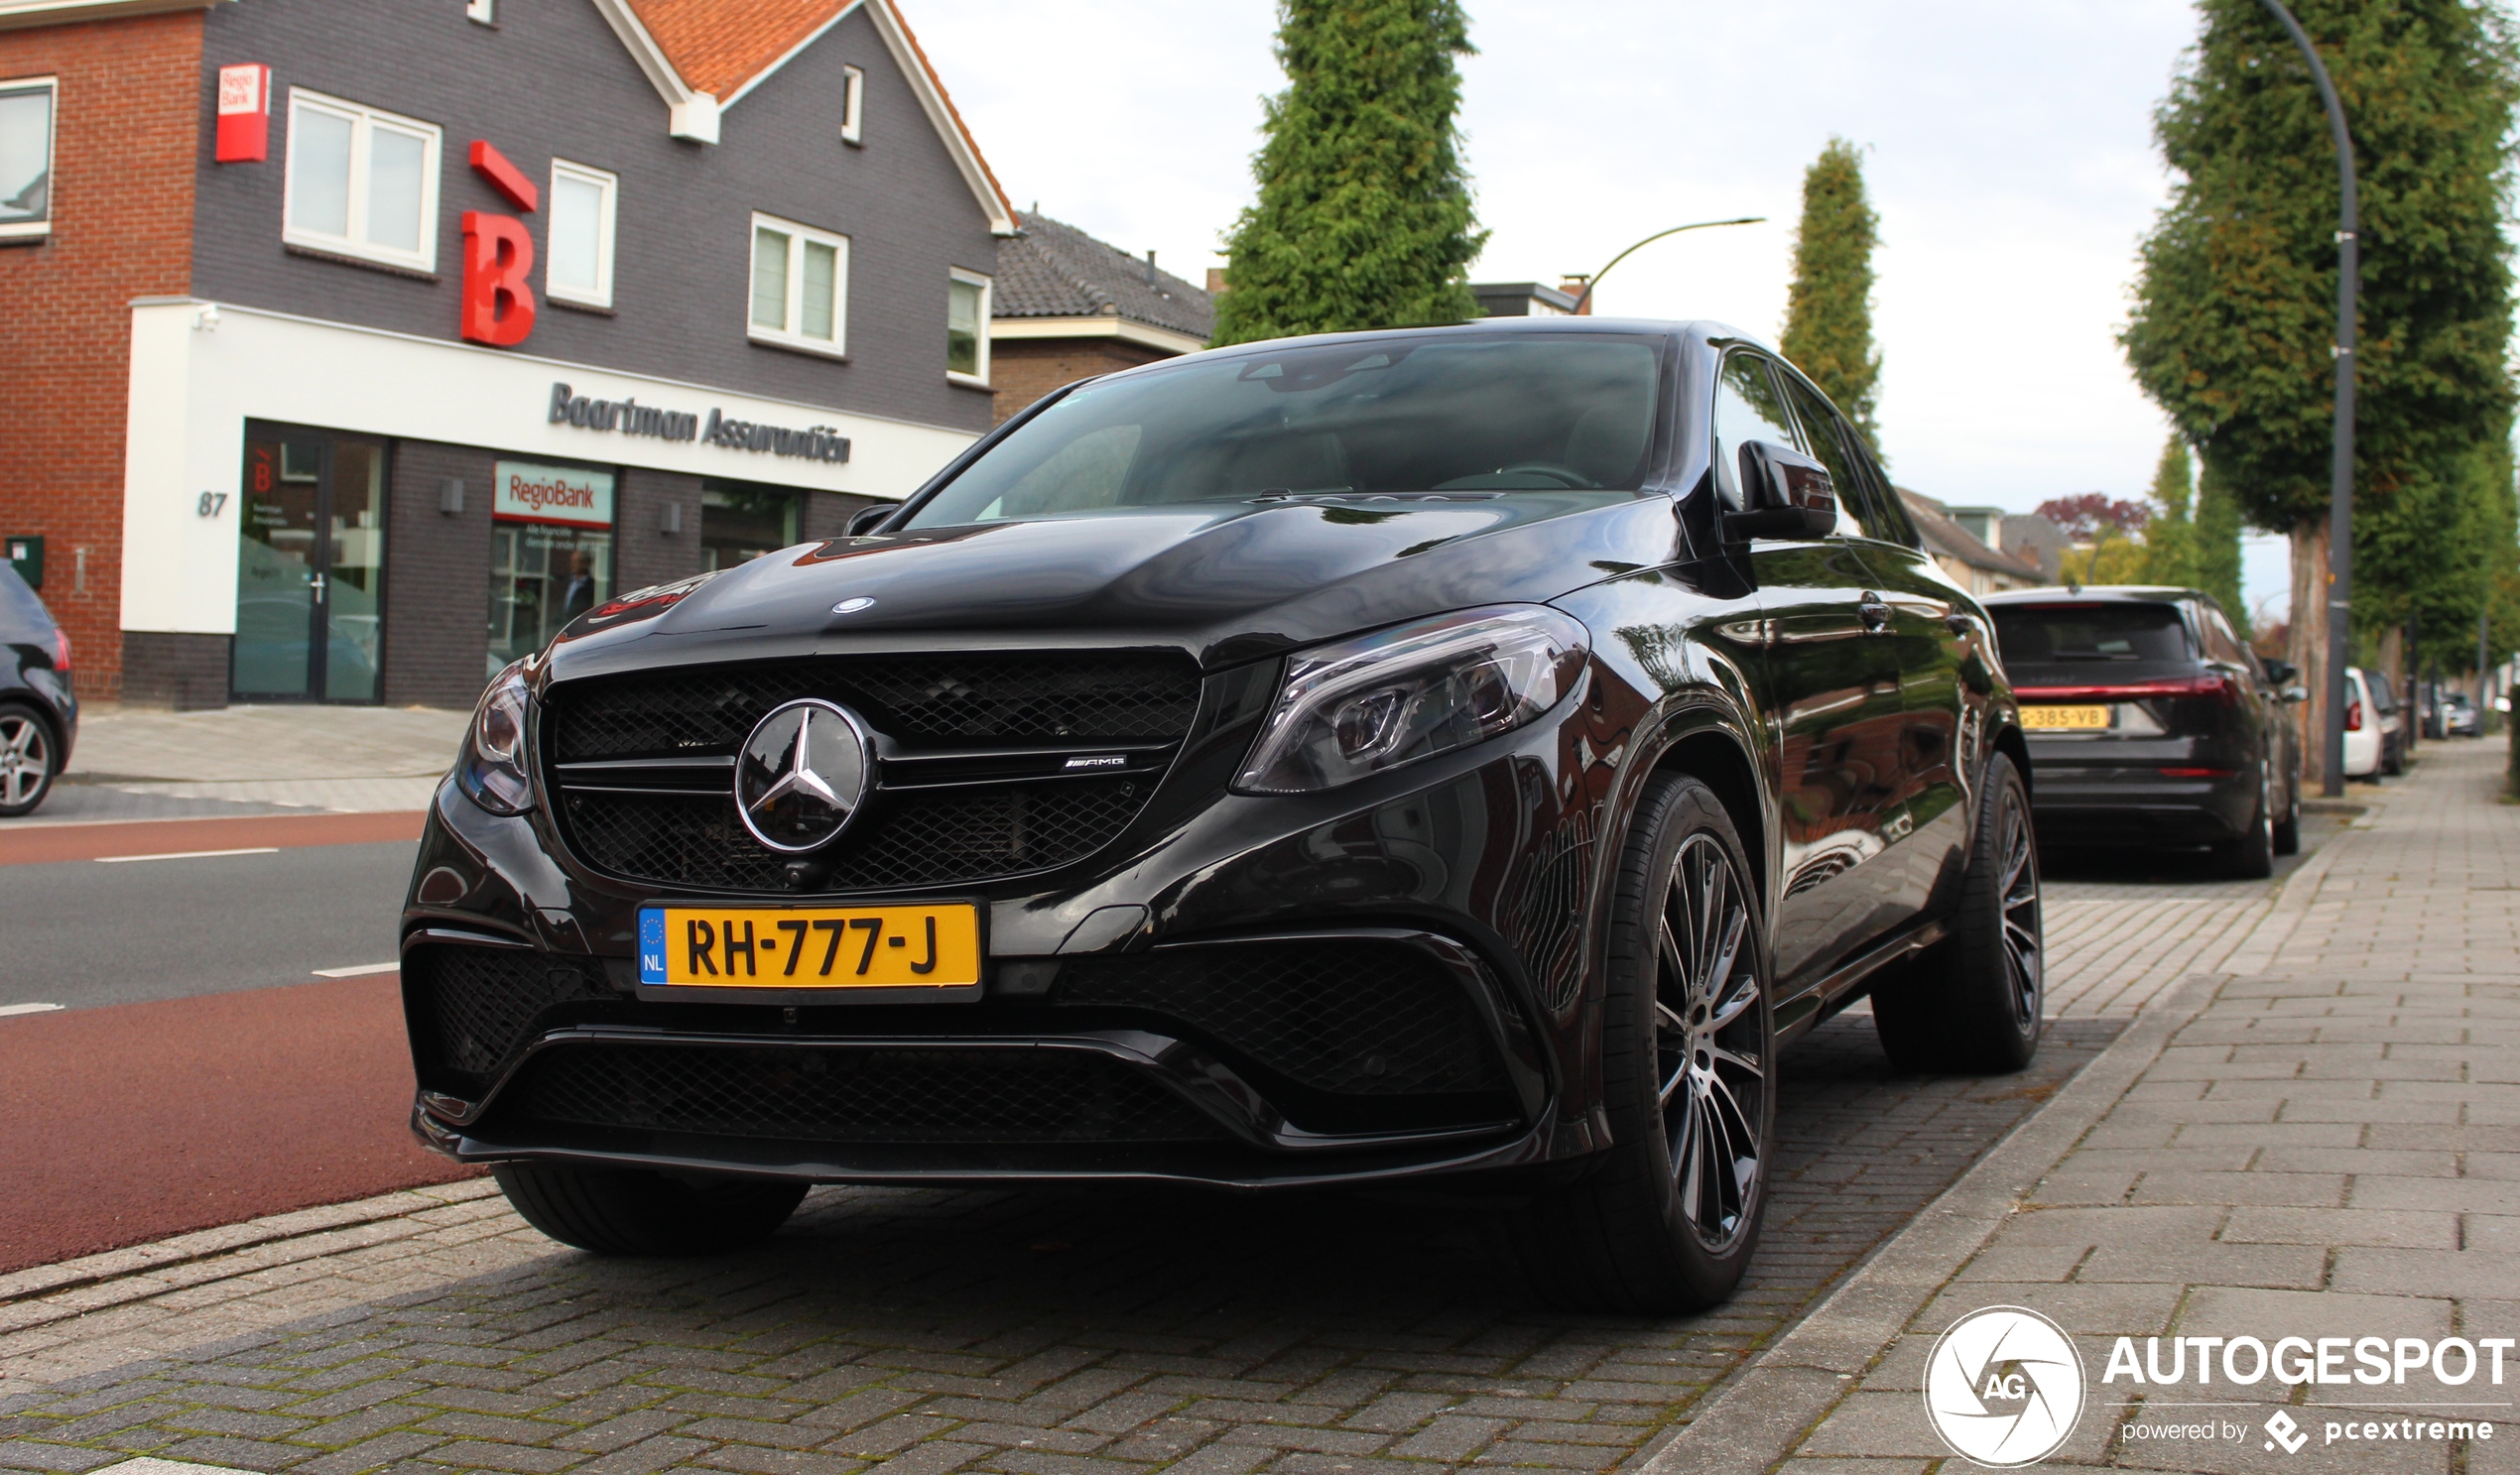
(1462, 754)
(2150, 723)
(39, 713)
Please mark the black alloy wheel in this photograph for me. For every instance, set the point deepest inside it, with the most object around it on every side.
(27, 761)
(1668, 1217)
(1973, 1002)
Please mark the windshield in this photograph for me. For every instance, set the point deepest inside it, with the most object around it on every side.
(1507, 412)
(2090, 637)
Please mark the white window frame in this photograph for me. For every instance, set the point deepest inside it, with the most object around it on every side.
(792, 335)
(51, 156)
(610, 185)
(481, 12)
(363, 120)
(988, 287)
(852, 104)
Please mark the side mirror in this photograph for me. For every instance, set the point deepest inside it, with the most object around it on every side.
(1789, 494)
(868, 519)
(2295, 693)
(2282, 673)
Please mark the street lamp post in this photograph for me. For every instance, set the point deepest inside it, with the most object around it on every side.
(2340, 471)
(1587, 296)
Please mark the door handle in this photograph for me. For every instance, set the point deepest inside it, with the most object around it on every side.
(314, 582)
(1876, 615)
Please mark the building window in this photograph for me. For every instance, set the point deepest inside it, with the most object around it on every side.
(26, 156)
(482, 11)
(852, 104)
(578, 250)
(800, 286)
(739, 522)
(361, 182)
(967, 328)
(551, 553)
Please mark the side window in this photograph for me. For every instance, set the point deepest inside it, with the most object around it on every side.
(2222, 642)
(1747, 409)
(26, 156)
(1858, 510)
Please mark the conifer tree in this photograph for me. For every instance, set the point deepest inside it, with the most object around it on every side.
(2170, 536)
(2234, 299)
(1829, 309)
(2218, 545)
(1365, 217)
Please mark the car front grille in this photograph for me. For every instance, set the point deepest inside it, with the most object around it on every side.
(1349, 1018)
(854, 1096)
(971, 788)
(922, 701)
(477, 1005)
(934, 837)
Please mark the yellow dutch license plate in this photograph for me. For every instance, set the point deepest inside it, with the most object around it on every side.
(2064, 719)
(817, 948)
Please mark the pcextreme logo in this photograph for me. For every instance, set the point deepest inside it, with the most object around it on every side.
(2004, 1387)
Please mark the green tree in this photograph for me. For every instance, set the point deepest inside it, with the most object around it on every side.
(2219, 519)
(1365, 217)
(2169, 535)
(1829, 309)
(2234, 298)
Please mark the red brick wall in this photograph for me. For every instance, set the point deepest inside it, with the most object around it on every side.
(1024, 369)
(125, 141)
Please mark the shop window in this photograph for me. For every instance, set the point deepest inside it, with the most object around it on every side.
(26, 156)
(578, 244)
(551, 553)
(967, 328)
(852, 106)
(361, 182)
(800, 286)
(739, 522)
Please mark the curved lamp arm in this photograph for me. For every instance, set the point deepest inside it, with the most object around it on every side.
(1578, 310)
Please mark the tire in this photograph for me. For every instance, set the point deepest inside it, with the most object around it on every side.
(1688, 1066)
(30, 760)
(2251, 857)
(628, 1211)
(2288, 830)
(1970, 1004)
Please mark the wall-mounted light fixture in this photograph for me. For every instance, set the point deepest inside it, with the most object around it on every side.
(670, 521)
(450, 496)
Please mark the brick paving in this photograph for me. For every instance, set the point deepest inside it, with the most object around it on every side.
(2324, 1144)
(926, 1331)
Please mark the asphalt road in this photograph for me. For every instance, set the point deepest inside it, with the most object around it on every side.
(85, 931)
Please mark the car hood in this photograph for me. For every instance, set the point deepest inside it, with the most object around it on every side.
(1226, 582)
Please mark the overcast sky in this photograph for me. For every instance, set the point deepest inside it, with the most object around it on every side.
(2008, 147)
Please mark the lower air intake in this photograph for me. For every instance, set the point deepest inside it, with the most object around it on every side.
(855, 1096)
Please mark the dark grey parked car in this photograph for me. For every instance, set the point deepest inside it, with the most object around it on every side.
(39, 716)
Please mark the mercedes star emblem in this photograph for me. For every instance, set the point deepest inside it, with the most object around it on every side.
(802, 775)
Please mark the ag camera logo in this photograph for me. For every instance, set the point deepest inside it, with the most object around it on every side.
(2004, 1387)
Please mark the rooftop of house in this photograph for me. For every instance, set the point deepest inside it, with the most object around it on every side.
(1054, 270)
(1945, 536)
(720, 45)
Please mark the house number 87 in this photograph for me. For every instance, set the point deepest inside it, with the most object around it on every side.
(212, 503)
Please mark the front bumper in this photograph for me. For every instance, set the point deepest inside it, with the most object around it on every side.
(1462, 874)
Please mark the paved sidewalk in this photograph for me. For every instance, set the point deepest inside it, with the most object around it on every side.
(135, 763)
(2326, 1144)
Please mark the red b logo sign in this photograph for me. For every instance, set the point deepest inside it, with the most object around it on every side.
(498, 255)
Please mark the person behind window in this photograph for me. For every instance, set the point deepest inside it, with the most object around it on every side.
(578, 595)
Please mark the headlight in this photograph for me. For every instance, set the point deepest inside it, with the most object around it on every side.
(492, 766)
(1392, 697)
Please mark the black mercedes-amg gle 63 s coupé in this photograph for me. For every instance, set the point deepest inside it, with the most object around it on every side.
(1456, 755)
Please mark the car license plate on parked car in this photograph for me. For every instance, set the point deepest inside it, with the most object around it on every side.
(2064, 719)
(820, 947)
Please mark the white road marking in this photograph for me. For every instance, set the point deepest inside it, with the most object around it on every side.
(361, 971)
(9, 1009)
(116, 860)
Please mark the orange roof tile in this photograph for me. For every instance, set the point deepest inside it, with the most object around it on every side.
(720, 45)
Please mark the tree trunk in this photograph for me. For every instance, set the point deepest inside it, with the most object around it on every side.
(2307, 643)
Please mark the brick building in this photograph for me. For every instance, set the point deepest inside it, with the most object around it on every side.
(355, 344)
(1070, 307)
